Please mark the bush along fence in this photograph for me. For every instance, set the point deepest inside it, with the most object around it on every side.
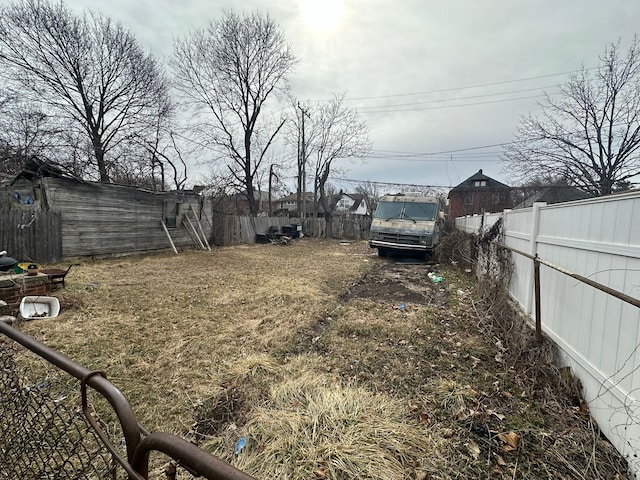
(576, 272)
(49, 428)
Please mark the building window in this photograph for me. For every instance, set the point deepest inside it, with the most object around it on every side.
(496, 198)
(479, 183)
(468, 199)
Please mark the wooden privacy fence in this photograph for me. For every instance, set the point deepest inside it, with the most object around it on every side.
(37, 235)
(31, 235)
(230, 230)
(597, 334)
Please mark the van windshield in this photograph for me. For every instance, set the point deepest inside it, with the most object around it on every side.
(406, 210)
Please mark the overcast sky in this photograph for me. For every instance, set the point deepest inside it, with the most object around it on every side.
(434, 78)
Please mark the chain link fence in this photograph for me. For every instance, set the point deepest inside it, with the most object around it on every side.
(59, 421)
(45, 435)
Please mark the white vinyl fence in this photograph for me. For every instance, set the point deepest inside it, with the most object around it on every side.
(597, 334)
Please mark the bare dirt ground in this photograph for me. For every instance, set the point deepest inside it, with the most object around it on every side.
(331, 362)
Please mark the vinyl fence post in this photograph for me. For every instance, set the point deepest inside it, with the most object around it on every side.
(533, 245)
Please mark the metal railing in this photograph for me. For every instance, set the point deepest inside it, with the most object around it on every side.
(537, 261)
(43, 438)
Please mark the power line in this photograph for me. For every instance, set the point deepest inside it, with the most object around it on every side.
(351, 180)
(381, 151)
(503, 82)
(438, 159)
(456, 99)
(400, 155)
(451, 106)
(458, 150)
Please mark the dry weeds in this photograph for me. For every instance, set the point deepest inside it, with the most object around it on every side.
(331, 362)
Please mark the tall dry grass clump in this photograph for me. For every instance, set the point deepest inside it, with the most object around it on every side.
(309, 426)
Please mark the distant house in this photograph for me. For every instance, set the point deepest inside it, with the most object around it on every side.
(238, 204)
(350, 204)
(288, 205)
(550, 194)
(479, 193)
(341, 204)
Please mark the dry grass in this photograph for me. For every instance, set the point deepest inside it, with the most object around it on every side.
(166, 328)
(333, 364)
(307, 424)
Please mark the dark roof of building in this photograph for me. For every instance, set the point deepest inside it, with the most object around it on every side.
(554, 194)
(257, 195)
(358, 198)
(35, 168)
(479, 176)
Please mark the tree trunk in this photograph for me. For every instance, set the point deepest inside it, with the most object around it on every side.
(329, 224)
(98, 149)
(326, 205)
(251, 198)
(253, 210)
(606, 186)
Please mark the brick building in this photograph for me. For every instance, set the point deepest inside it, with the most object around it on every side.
(479, 193)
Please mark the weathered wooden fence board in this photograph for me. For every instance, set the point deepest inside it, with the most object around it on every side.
(111, 219)
(234, 230)
(33, 236)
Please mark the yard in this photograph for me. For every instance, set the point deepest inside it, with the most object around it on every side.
(331, 362)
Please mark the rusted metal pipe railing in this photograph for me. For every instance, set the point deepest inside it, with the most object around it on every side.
(187, 455)
(615, 293)
(120, 405)
(138, 448)
(537, 261)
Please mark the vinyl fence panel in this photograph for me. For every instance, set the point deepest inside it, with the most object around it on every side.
(598, 335)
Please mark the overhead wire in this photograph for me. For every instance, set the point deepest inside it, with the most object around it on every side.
(448, 106)
(351, 180)
(480, 85)
(452, 99)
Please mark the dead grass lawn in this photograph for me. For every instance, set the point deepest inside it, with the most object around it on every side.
(333, 364)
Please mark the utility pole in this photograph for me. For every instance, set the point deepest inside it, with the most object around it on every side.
(271, 175)
(302, 169)
(299, 182)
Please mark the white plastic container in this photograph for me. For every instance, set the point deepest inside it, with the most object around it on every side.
(38, 306)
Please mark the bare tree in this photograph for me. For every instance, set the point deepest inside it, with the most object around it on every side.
(229, 70)
(87, 69)
(339, 134)
(370, 192)
(25, 131)
(165, 151)
(590, 133)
